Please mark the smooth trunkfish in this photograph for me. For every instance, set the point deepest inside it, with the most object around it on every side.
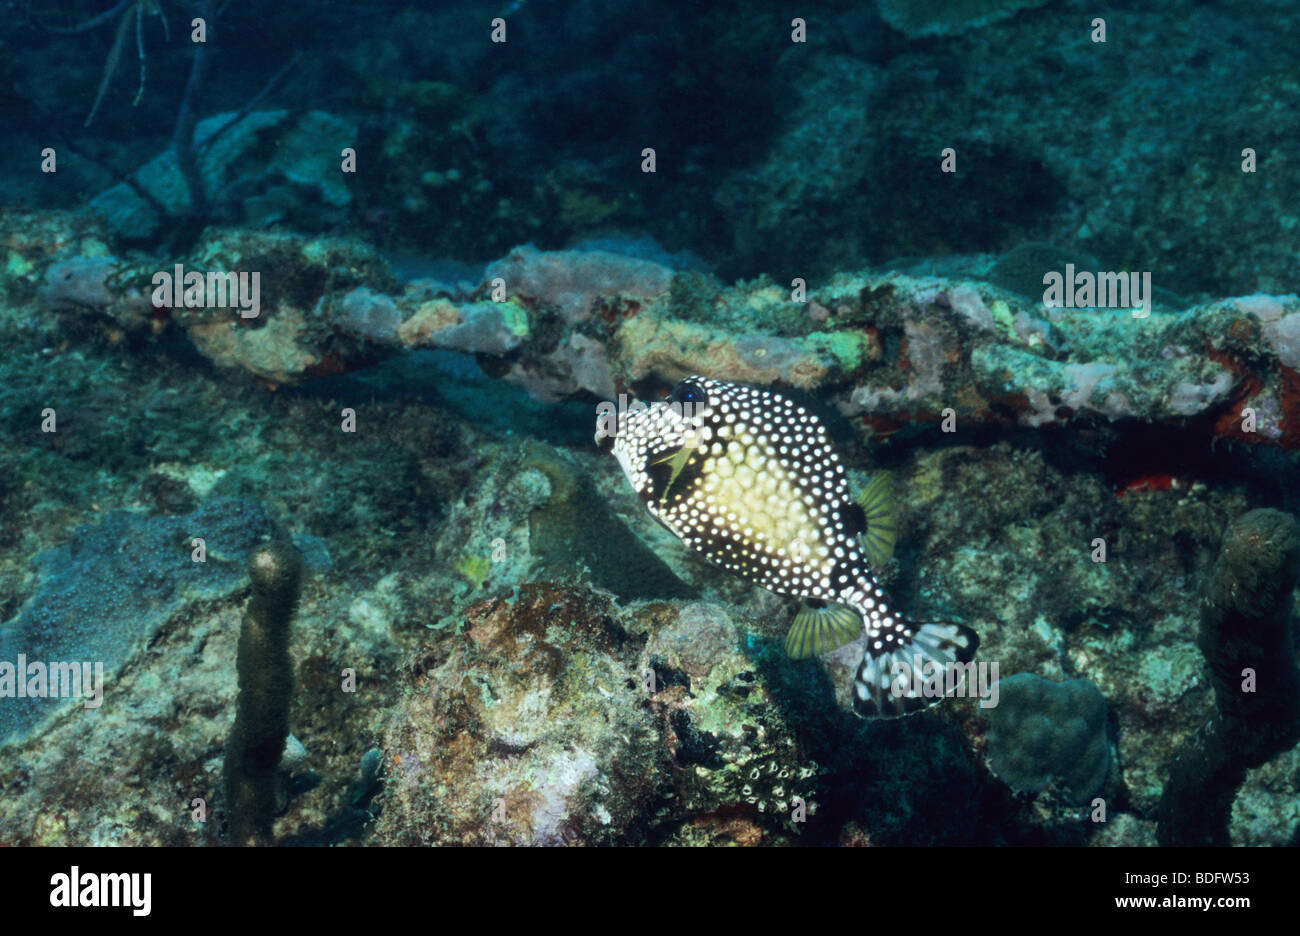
(750, 479)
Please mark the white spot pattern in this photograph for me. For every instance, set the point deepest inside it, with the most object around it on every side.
(769, 480)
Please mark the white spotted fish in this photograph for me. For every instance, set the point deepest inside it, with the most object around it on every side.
(750, 479)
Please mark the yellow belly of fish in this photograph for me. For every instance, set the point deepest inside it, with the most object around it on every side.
(768, 507)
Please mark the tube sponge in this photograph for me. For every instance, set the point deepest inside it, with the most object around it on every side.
(256, 741)
(1246, 637)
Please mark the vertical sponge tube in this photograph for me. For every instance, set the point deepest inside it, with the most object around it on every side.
(265, 688)
(1245, 626)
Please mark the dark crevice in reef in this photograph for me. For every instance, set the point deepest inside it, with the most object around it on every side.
(454, 382)
(1128, 450)
(1121, 453)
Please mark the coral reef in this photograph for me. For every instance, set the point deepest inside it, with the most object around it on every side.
(556, 718)
(886, 349)
(858, 205)
(524, 733)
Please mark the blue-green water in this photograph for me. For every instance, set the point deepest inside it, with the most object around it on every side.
(353, 283)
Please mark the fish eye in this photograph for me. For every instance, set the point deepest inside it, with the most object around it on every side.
(687, 392)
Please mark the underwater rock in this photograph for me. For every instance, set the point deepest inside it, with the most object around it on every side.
(1001, 538)
(557, 718)
(368, 314)
(1265, 811)
(670, 350)
(1055, 366)
(734, 754)
(919, 18)
(479, 327)
(578, 363)
(300, 174)
(533, 513)
(31, 241)
(575, 282)
(579, 285)
(575, 529)
(1045, 734)
(78, 282)
(92, 284)
(1281, 331)
(105, 594)
(886, 350)
(531, 729)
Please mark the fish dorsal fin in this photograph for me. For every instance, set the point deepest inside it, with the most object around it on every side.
(881, 515)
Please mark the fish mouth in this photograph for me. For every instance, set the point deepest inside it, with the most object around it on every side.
(604, 438)
(622, 421)
(655, 421)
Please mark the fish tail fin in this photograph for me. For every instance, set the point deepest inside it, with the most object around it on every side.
(915, 669)
(820, 628)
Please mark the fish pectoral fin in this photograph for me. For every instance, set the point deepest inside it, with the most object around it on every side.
(677, 462)
(820, 630)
